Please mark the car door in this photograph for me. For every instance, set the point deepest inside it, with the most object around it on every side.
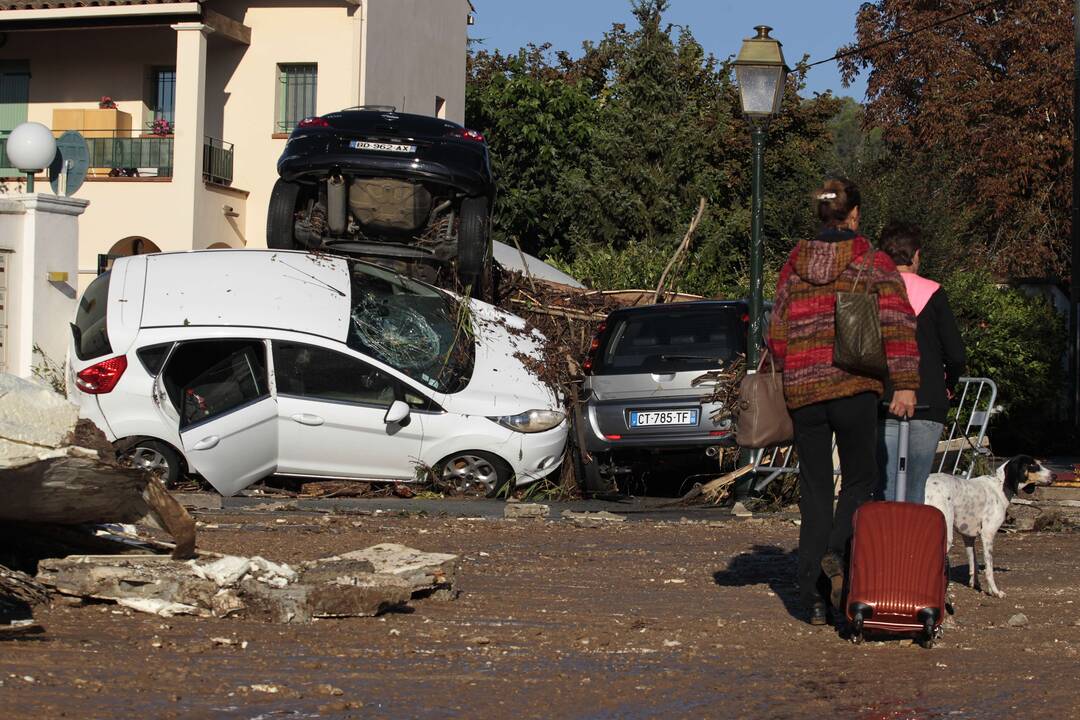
(219, 393)
(332, 416)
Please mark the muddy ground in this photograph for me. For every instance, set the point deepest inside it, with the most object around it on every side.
(637, 620)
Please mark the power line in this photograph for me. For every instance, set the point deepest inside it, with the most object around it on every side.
(907, 33)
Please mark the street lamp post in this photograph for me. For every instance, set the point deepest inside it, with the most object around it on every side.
(760, 73)
(31, 148)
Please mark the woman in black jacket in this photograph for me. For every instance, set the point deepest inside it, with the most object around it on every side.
(941, 362)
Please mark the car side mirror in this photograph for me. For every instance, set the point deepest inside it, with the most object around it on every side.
(397, 413)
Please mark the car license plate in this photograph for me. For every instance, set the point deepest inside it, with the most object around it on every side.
(381, 147)
(646, 418)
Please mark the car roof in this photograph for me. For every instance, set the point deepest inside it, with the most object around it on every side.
(667, 308)
(288, 290)
(402, 121)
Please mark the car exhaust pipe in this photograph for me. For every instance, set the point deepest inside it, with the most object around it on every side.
(712, 451)
(336, 206)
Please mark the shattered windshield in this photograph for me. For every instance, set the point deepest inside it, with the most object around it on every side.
(411, 327)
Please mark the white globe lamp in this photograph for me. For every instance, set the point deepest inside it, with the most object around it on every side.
(31, 148)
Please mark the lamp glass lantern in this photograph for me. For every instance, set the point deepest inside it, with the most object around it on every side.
(31, 148)
(761, 73)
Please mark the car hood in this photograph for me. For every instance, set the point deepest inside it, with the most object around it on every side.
(501, 383)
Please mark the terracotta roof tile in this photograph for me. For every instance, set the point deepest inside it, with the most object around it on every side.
(49, 4)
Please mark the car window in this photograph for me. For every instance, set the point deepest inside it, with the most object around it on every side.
(90, 329)
(411, 327)
(153, 357)
(673, 341)
(317, 373)
(208, 378)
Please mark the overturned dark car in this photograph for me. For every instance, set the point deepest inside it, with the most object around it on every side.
(411, 192)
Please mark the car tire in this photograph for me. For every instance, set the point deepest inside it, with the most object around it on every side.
(474, 472)
(474, 245)
(281, 216)
(593, 483)
(158, 458)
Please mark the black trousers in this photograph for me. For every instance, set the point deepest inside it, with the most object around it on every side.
(854, 422)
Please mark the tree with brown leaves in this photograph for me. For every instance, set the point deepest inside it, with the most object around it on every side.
(983, 101)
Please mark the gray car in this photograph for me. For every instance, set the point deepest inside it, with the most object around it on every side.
(641, 402)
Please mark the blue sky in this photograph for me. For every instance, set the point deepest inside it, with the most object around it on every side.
(803, 26)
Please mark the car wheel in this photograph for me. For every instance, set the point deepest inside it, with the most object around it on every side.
(157, 458)
(475, 472)
(281, 217)
(592, 481)
(474, 245)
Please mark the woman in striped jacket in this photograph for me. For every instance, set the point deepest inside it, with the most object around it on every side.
(823, 399)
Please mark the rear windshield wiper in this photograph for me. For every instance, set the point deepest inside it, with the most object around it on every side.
(670, 358)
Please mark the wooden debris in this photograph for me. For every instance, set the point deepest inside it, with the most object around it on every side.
(680, 253)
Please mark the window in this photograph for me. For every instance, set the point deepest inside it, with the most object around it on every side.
(674, 340)
(163, 95)
(320, 374)
(153, 356)
(90, 329)
(208, 378)
(413, 328)
(440, 107)
(14, 99)
(296, 91)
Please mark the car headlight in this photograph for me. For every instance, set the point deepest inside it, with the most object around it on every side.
(531, 421)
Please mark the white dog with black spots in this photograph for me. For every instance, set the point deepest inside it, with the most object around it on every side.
(976, 507)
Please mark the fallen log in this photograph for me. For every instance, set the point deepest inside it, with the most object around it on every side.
(79, 490)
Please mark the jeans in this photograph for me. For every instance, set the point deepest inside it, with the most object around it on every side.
(854, 422)
(923, 439)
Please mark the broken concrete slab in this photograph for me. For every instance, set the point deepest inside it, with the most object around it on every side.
(592, 519)
(359, 584)
(526, 511)
(424, 571)
(34, 421)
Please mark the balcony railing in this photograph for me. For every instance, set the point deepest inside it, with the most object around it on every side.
(117, 153)
(217, 161)
(126, 153)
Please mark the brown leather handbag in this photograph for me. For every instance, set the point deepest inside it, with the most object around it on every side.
(857, 345)
(762, 418)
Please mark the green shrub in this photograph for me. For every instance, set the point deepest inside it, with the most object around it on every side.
(1018, 342)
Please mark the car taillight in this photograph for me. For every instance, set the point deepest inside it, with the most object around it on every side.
(101, 378)
(314, 122)
(590, 358)
(466, 134)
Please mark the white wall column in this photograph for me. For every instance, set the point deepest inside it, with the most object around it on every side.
(190, 127)
(39, 235)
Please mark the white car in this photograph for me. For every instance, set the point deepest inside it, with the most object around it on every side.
(239, 364)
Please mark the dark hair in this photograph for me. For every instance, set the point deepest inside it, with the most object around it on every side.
(835, 201)
(900, 241)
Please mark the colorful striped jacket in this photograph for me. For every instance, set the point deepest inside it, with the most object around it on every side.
(802, 328)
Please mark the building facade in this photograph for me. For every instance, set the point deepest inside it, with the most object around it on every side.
(186, 105)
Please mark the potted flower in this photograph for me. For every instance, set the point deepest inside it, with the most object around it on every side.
(161, 127)
(106, 103)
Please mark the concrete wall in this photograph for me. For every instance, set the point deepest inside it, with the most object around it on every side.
(39, 234)
(415, 51)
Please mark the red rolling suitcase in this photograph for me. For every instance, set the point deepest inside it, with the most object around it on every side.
(899, 572)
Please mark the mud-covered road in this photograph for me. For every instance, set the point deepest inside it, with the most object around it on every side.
(637, 620)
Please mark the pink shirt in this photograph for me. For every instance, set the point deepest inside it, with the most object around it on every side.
(919, 290)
